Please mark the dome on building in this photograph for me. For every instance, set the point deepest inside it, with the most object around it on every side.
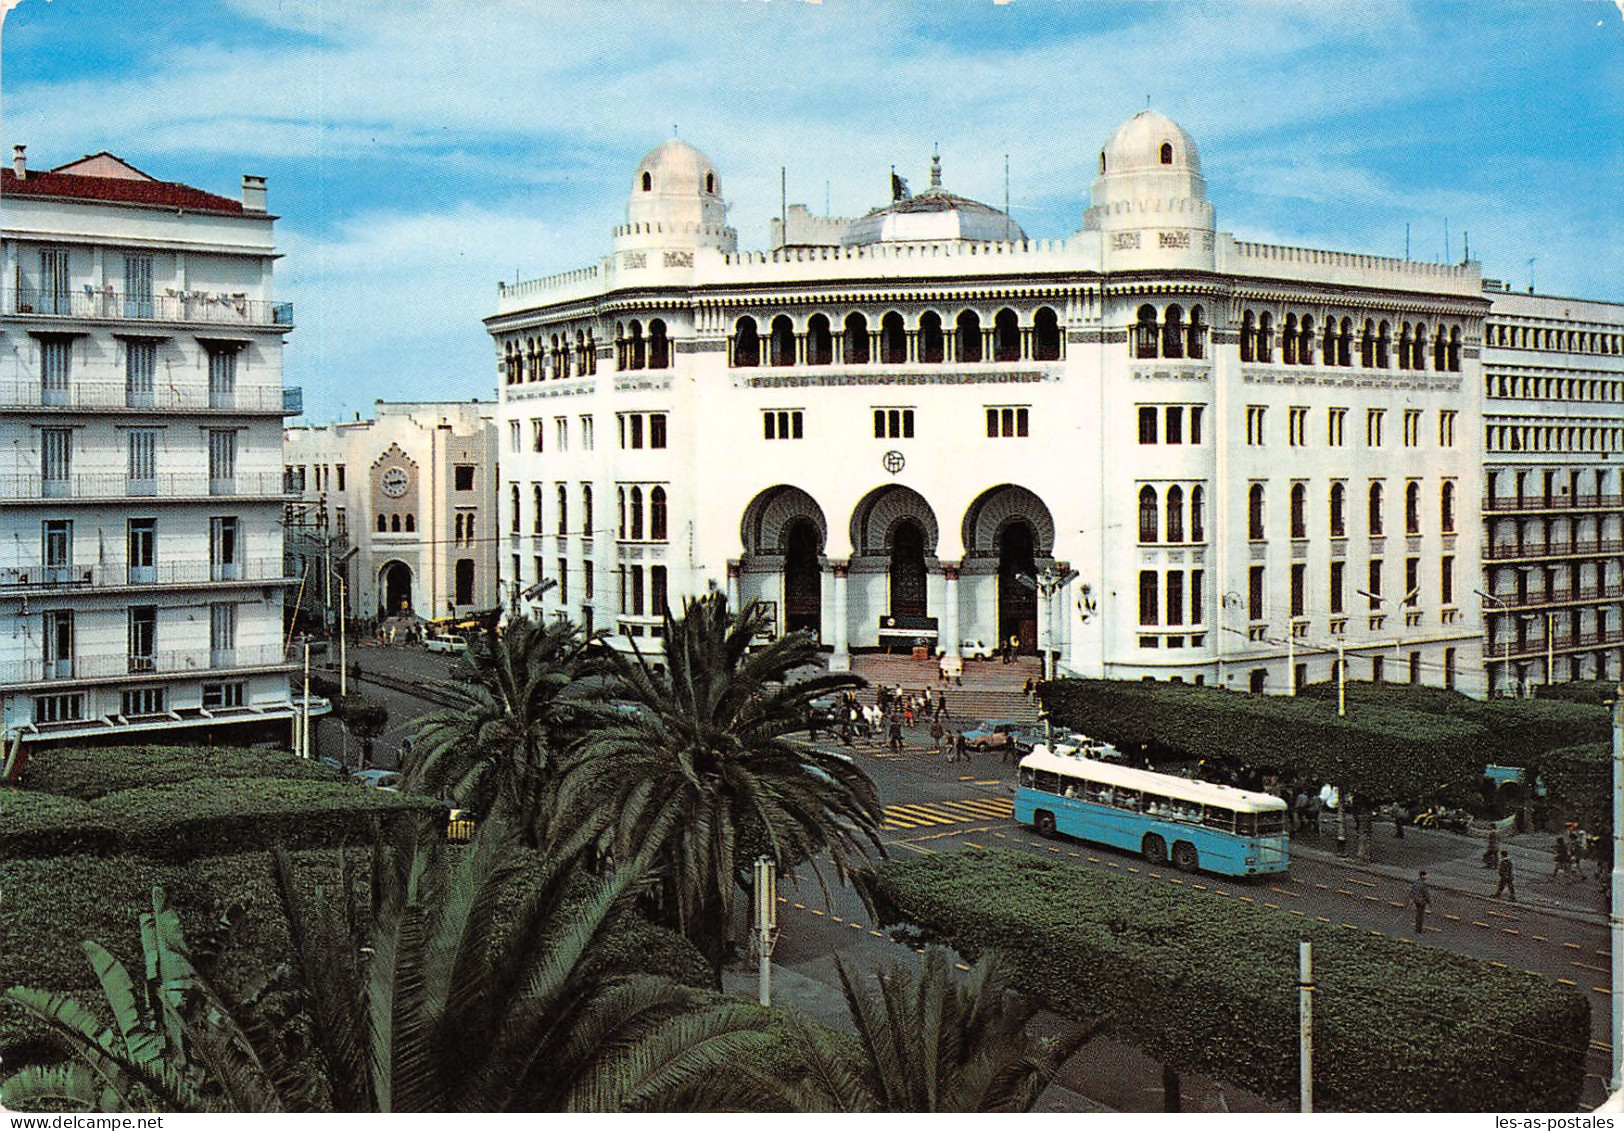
(676, 168)
(1149, 141)
(934, 214)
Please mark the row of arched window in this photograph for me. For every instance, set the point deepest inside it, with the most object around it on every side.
(1151, 528)
(1552, 438)
(463, 528)
(1300, 336)
(1529, 387)
(1174, 337)
(928, 342)
(1375, 519)
(537, 358)
(391, 524)
(633, 351)
(1552, 338)
(631, 514)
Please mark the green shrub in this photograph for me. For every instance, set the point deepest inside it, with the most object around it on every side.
(1579, 785)
(90, 772)
(42, 824)
(202, 818)
(1209, 984)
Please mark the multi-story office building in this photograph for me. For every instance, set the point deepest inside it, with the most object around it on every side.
(413, 493)
(1553, 419)
(141, 396)
(1146, 450)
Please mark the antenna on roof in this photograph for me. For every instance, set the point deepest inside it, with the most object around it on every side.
(674, 132)
(1406, 241)
(1006, 198)
(1446, 239)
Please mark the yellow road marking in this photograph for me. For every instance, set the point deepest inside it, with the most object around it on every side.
(1602, 990)
(1246, 899)
(1572, 946)
(1478, 923)
(961, 966)
(855, 926)
(1343, 891)
(1502, 965)
(1374, 931)
(1539, 938)
(1510, 931)
(1365, 883)
(1199, 887)
(1093, 859)
(1321, 919)
(1582, 966)
(1299, 911)
(1074, 855)
(1452, 918)
(994, 781)
(1276, 906)
(1350, 926)
(815, 911)
(800, 907)
(974, 845)
(1566, 982)
(836, 918)
(876, 934)
(1394, 903)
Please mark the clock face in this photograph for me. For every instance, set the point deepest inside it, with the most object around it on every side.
(394, 482)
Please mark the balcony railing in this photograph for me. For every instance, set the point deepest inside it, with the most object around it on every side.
(212, 308)
(1552, 550)
(112, 485)
(1510, 602)
(1508, 649)
(32, 395)
(31, 579)
(198, 661)
(1554, 503)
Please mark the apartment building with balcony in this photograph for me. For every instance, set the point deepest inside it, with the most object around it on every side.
(1553, 445)
(141, 405)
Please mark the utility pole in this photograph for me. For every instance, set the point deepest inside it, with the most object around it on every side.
(1617, 909)
(343, 649)
(766, 923)
(1305, 1026)
(304, 708)
(1550, 648)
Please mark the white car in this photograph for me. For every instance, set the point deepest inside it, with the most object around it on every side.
(447, 642)
(972, 650)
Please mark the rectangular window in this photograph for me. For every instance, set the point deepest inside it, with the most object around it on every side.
(59, 708)
(140, 366)
(540, 572)
(1149, 596)
(222, 634)
(1147, 424)
(56, 461)
(1173, 433)
(1254, 593)
(563, 581)
(1297, 426)
(341, 522)
(141, 550)
(893, 423)
(217, 695)
(1336, 586)
(55, 285)
(225, 549)
(781, 424)
(1195, 424)
(656, 591)
(515, 519)
(138, 286)
(563, 509)
(1175, 597)
(656, 429)
(1299, 589)
(1446, 579)
(1335, 424)
(57, 538)
(1373, 427)
(513, 436)
(1255, 416)
(587, 585)
(462, 477)
(57, 636)
(1412, 427)
(223, 378)
(1006, 422)
(1446, 428)
(142, 473)
(537, 433)
(1373, 587)
(1196, 578)
(222, 461)
(143, 638)
(1412, 582)
(142, 701)
(588, 440)
(339, 470)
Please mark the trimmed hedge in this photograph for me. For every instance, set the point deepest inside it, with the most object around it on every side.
(1209, 984)
(91, 772)
(201, 818)
(42, 824)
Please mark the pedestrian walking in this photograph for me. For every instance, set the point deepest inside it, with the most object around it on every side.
(896, 738)
(1420, 899)
(1491, 854)
(936, 733)
(908, 715)
(1563, 860)
(961, 749)
(1505, 885)
(941, 704)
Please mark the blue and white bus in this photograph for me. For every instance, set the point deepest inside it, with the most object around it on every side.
(1195, 824)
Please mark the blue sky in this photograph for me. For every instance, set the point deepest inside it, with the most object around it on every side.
(420, 150)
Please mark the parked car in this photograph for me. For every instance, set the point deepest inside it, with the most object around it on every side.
(1081, 745)
(994, 734)
(448, 642)
(377, 779)
(971, 650)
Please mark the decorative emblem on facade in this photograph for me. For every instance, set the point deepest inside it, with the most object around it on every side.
(1124, 241)
(1173, 239)
(679, 259)
(893, 462)
(632, 260)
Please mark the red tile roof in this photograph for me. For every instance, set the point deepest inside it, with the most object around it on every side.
(118, 190)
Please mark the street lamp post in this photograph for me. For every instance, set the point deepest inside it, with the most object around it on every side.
(1504, 608)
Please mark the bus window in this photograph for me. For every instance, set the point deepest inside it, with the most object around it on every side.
(1047, 781)
(1098, 794)
(1245, 824)
(1026, 777)
(1158, 806)
(1217, 818)
(1129, 799)
(1271, 823)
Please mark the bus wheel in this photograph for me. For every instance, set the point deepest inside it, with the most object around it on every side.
(1155, 849)
(1045, 824)
(1184, 856)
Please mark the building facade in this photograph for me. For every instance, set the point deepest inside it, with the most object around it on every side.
(413, 493)
(141, 396)
(1553, 415)
(1149, 450)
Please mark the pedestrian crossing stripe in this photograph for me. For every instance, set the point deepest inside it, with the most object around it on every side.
(918, 815)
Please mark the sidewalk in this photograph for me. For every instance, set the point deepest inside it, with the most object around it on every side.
(1454, 863)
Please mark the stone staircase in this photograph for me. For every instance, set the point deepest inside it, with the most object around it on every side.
(989, 689)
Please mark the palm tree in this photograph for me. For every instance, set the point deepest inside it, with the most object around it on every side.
(521, 693)
(703, 776)
(174, 1045)
(930, 1044)
(425, 996)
